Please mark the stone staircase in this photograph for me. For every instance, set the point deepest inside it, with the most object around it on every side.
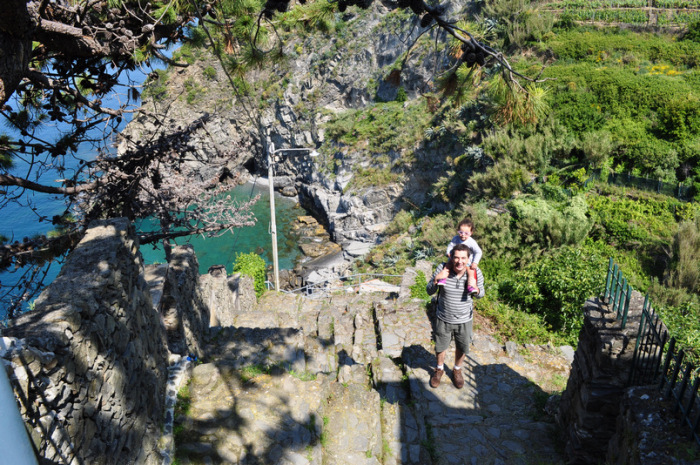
(345, 381)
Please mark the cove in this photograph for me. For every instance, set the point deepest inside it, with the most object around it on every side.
(222, 250)
(210, 251)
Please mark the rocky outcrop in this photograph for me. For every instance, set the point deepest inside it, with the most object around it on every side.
(226, 295)
(88, 364)
(303, 93)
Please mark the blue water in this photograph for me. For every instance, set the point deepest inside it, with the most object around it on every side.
(17, 221)
(222, 250)
(210, 251)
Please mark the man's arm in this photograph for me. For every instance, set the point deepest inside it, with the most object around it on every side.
(479, 284)
(432, 287)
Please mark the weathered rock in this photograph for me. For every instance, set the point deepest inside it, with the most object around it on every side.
(183, 305)
(227, 296)
(90, 368)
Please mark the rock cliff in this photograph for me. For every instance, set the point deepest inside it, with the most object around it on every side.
(321, 77)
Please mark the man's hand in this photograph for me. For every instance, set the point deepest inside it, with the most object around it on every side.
(442, 275)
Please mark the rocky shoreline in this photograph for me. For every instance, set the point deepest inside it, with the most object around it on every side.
(235, 131)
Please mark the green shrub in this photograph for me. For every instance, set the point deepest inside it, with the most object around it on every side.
(550, 224)
(157, 88)
(515, 325)
(502, 179)
(630, 222)
(437, 231)
(684, 271)
(557, 286)
(401, 95)
(400, 223)
(210, 72)
(252, 265)
(418, 290)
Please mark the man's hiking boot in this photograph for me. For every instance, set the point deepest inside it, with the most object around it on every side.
(435, 379)
(458, 379)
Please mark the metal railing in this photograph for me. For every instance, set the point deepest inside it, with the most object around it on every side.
(648, 350)
(350, 283)
(676, 387)
(675, 375)
(617, 292)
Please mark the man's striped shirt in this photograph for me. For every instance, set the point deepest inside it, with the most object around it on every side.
(455, 305)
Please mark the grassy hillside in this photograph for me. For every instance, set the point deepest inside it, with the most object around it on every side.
(616, 102)
(531, 168)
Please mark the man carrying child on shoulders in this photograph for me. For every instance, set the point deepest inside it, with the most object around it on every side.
(455, 311)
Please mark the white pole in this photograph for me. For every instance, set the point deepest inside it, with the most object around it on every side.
(273, 220)
(14, 440)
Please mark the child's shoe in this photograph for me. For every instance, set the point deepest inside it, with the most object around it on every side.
(441, 282)
(472, 290)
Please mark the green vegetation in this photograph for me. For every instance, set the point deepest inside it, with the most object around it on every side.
(303, 375)
(381, 127)
(210, 73)
(251, 372)
(253, 265)
(184, 401)
(323, 439)
(418, 290)
(156, 88)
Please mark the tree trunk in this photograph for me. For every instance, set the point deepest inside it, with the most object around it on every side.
(17, 26)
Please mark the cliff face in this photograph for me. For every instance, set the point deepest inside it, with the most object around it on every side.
(292, 103)
(89, 363)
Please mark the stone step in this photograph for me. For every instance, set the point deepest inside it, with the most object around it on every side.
(352, 430)
(267, 418)
(345, 381)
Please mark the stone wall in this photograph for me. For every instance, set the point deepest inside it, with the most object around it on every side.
(226, 296)
(590, 405)
(88, 364)
(185, 312)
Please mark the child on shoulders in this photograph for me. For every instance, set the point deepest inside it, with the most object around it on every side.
(464, 236)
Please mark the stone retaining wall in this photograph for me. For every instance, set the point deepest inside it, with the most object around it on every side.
(600, 372)
(88, 364)
(184, 310)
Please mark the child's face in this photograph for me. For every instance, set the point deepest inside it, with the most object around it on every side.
(464, 232)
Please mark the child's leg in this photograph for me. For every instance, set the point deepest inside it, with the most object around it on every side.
(471, 281)
(471, 278)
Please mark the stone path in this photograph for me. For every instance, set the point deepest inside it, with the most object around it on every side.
(345, 381)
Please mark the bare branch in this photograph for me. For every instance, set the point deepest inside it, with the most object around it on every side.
(9, 180)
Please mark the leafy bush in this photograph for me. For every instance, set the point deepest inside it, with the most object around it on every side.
(557, 286)
(400, 223)
(252, 265)
(418, 290)
(630, 222)
(210, 72)
(437, 231)
(156, 88)
(550, 224)
(515, 325)
(502, 179)
(684, 271)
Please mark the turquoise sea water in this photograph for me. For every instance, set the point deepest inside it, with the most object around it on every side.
(222, 250)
